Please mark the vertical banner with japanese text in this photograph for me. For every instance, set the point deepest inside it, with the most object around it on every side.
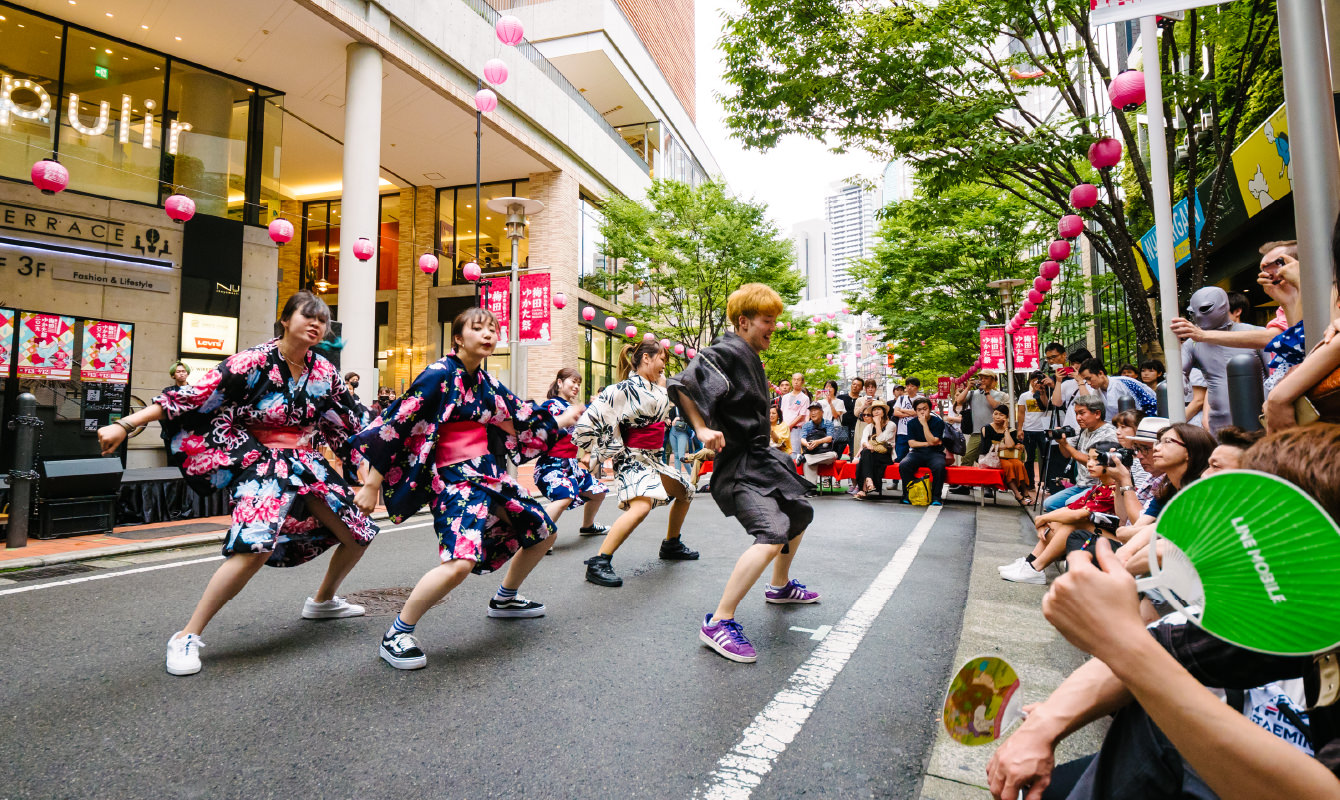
(105, 356)
(1026, 349)
(944, 386)
(499, 301)
(993, 349)
(46, 346)
(6, 340)
(535, 308)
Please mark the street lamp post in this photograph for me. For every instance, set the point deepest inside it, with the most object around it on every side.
(516, 209)
(1006, 287)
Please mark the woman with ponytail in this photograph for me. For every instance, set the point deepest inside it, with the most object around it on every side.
(558, 473)
(626, 422)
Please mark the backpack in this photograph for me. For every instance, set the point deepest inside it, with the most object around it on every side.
(955, 442)
(918, 492)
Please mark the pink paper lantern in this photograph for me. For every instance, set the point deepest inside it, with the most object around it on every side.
(363, 249)
(281, 231)
(1106, 152)
(1070, 226)
(471, 271)
(810, 331)
(679, 349)
(50, 176)
(560, 300)
(1059, 250)
(692, 353)
(486, 100)
(179, 207)
(1127, 90)
(665, 344)
(815, 319)
(648, 337)
(1028, 309)
(1042, 284)
(831, 315)
(1084, 196)
(428, 263)
(630, 331)
(495, 71)
(1049, 270)
(831, 334)
(1035, 297)
(611, 323)
(588, 313)
(846, 310)
(510, 30)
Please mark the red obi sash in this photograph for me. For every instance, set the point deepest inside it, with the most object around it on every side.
(563, 448)
(281, 438)
(651, 437)
(460, 441)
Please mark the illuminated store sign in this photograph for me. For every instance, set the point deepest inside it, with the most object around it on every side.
(34, 103)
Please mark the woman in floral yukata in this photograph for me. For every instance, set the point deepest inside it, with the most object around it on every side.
(254, 424)
(627, 421)
(558, 473)
(432, 446)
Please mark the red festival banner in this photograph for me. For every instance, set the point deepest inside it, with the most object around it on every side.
(535, 308)
(499, 301)
(105, 356)
(944, 386)
(993, 349)
(1026, 349)
(46, 346)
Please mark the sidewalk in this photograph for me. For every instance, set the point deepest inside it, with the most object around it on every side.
(1004, 619)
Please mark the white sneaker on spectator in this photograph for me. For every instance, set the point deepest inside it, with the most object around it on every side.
(1025, 573)
(1012, 566)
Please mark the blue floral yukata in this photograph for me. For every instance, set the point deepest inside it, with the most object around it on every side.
(248, 425)
(466, 497)
(561, 477)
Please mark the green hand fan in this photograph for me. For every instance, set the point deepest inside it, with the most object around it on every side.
(982, 701)
(1252, 559)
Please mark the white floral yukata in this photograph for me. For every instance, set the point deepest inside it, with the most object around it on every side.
(619, 411)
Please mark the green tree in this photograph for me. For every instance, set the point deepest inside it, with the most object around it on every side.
(794, 350)
(933, 258)
(948, 85)
(685, 250)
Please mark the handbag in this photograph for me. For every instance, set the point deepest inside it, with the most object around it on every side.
(1321, 403)
(955, 442)
(919, 492)
(991, 458)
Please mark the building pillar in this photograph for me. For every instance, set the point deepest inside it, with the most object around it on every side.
(360, 212)
(554, 245)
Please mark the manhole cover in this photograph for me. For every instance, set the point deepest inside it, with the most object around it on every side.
(54, 571)
(383, 602)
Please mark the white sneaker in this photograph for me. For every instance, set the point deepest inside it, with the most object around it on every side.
(1025, 573)
(334, 608)
(1012, 566)
(183, 654)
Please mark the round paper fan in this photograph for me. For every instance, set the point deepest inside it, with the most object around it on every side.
(982, 701)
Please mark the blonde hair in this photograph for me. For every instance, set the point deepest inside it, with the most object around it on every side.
(751, 300)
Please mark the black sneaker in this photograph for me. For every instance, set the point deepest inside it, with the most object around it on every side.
(674, 550)
(599, 572)
(594, 530)
(516, 606)
(401, 651)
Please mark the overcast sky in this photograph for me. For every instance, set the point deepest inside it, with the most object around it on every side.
(793, 177)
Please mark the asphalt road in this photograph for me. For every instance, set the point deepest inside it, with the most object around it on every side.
(609, 695)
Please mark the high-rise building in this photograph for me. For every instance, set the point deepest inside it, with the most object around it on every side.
(851, 220)
(810, 239)
(898, 182)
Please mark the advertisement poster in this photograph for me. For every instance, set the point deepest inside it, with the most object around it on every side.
(6, 340)
(105, 356)
(46, 346)
(993, 349)
(1263, 165)
(535, 308)
(1026, 349)
(208, 335)
(499, 301)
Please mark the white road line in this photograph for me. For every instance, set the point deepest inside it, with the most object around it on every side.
(105, 576)
(741, 770)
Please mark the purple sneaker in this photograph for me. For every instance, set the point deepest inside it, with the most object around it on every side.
(727, 638)
(793, 592)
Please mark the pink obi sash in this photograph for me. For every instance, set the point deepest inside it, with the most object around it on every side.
(460, 441)
(564, 448)
(281, 438)
(651, 437)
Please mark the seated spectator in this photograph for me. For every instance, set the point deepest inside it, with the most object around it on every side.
(1182, 453)
(979, 396)
(816, 443)
(1233, 442)
(926, 448)
(874, 452)
(1177, 739)
(1127, 424)
(1054, 527)
(1090, 412)
(1007, 446)
(779, 433)
(1151, 374)
(1129, 371)
(696, 461)
(1093, 379)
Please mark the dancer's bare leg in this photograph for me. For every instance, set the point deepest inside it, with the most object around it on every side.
(436, 584)
(781, 567)
(525, 561)
(748, 569)
(223, 586)
(593, 502)
(679, 506)
(556, 508)
(345, 555)
(638, 509)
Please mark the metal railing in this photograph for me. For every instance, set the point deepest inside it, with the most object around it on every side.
(486, 9)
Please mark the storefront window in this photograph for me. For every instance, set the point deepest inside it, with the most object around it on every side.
(272, 135)
(594, 271)
(388, 242)
(456, 227)
(205, 136)
(29, 92)
(599, 358)
(321, 245)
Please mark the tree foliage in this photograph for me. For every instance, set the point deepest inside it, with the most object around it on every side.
(794, 350)
(685, 250)
(938, 82)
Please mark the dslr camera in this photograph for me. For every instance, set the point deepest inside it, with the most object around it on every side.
(1123, 454)
(1055, 434)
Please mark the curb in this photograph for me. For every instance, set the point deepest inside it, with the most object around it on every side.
(153, 545)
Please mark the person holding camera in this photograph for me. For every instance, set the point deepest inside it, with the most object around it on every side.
(980, 396)
(1090, 412)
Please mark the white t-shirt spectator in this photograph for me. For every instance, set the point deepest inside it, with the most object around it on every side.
(1035, 419)
(904, 403)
